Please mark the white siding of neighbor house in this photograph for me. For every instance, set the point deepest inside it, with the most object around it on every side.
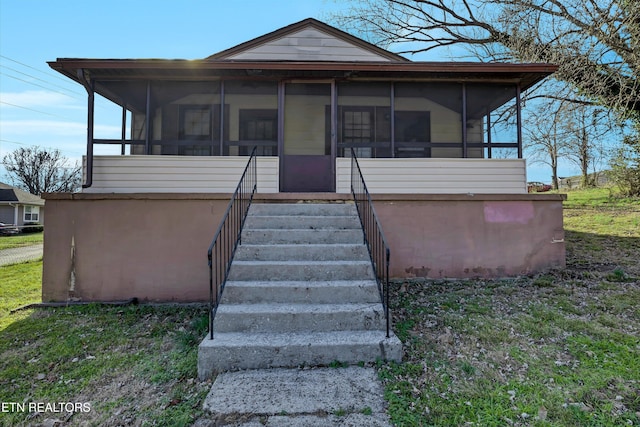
(178, 174)
(436, 176)
(307, 44)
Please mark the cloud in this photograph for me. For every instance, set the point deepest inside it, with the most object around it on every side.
(39, 99)
(53, 127)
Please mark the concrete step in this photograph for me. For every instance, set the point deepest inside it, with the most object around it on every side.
(295, 292)
(283, 318)
(321, 252)
(279, 236)
(302, 222)
(301, 291)
(313, 209)
(288, 397)
(232, 351)
(300, 270)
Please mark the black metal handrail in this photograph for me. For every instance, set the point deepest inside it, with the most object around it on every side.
(228, 236)
(377, 246)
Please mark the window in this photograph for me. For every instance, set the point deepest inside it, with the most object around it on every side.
(413, 133)
(31, 214)
(259, 127)
(357, 128)
(195, 122)
(364, 119)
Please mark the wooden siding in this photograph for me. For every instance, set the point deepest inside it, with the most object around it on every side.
(308, 45)
(178, 174)
(436, 176)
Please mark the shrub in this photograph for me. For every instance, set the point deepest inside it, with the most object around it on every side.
(32, 227)
(625, 168)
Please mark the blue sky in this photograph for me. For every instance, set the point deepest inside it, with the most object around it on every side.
(41, 107)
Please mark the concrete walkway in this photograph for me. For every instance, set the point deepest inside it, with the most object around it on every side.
(350, 396)
(22, 254)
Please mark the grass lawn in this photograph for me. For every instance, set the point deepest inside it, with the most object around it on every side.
(8, 242)
(20, 284)
(132, 365)
(602, 231)
(555, 349)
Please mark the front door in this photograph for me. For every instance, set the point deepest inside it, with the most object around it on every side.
(306, 158)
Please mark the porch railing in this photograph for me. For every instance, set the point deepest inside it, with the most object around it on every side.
(377, 246)
(228, 236)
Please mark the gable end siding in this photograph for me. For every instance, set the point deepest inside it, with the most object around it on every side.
(308, 44)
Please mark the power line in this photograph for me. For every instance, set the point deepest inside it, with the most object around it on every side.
(42, 146)
(36, 111)
(98, 105)
(13, 142)
(36, 84)
(39, 79)
(36, 69)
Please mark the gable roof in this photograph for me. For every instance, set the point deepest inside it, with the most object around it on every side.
(309, 40)
(306, 49)
(15, 195)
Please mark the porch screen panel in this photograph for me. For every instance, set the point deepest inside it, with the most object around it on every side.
(252, 117)
(134, 129)
(307, 125)
(364, 119)
(186, 118)
(492, 130)
(428, 119)
(109, 112)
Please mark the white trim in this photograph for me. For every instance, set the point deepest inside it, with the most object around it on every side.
(33, 210)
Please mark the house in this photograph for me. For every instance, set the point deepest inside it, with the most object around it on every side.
(443, 165)
(19, 207)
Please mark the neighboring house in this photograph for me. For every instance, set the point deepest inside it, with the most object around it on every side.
(445, 169)
(19, 207)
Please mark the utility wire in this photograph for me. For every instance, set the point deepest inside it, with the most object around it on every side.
(36, 111)
(36, 69)
(36, 84)
(98, 105)
(39, 79)
(41, 146)
(13, 142)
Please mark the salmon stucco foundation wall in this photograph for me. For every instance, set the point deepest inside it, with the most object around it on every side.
(149, 246)
(105, 247)
(466, 236)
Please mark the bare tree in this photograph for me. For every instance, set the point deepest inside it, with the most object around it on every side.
(586, 129)
(38, 170)
(544, 138)
(557, 128)
(596, 43)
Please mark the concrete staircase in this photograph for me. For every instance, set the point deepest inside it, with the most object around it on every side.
(301, 291)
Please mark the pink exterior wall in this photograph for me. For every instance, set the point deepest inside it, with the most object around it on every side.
(153, 246)
(150, 246)
(464, 236)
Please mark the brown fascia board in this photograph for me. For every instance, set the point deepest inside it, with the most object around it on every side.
(192, 68)
(72, 64)
(309, 22)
